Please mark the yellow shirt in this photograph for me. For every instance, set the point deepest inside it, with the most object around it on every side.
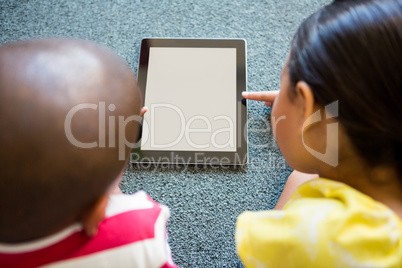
(324, 224)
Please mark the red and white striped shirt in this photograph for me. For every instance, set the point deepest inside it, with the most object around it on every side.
(133, 234)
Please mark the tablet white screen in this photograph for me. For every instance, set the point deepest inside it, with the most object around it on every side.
(191, 97)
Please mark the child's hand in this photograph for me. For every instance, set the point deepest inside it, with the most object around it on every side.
(143, 111)
(266, 96)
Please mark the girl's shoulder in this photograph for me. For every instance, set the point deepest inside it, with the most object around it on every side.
(325, 190)
(336, 204)
(324, 220)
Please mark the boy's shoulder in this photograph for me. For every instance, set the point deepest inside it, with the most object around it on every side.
(133, 233)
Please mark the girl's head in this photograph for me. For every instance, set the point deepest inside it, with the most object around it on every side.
(350, 52)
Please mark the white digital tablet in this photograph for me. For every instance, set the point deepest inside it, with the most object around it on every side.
(192, 88)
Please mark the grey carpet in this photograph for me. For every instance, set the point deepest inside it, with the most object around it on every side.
(204, 202)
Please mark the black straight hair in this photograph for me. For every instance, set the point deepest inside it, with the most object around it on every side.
(351, 52)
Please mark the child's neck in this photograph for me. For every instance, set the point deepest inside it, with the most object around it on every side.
(380, 183)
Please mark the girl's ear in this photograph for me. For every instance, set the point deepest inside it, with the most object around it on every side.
(94, 215)
(305, 97)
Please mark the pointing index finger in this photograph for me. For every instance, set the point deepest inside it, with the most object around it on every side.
(266, 96)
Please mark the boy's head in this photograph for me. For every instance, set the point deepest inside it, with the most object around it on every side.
(53, 92)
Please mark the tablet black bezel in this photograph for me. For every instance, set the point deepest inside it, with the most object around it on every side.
(240, 156)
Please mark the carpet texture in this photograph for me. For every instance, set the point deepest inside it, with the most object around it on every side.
(204, 202)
